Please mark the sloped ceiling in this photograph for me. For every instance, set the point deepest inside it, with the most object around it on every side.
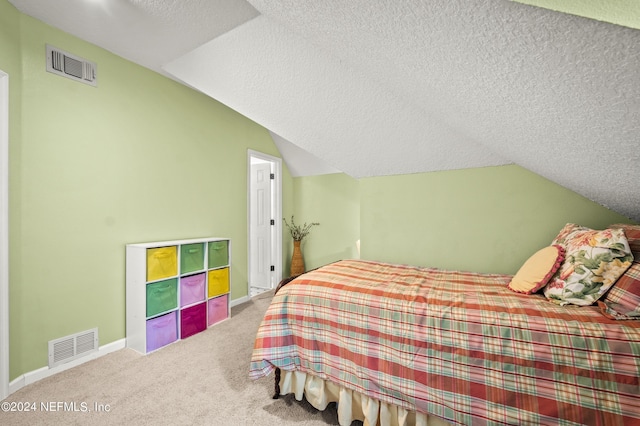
(381, 88)
(620, 12)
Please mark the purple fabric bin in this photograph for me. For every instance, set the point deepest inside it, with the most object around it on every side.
(193, 320)
(192, 289)
(161, 331)
(218, 309)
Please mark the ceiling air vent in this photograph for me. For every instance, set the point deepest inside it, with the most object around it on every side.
(71, 66)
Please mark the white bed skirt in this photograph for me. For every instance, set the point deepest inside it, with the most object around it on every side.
(351, 405)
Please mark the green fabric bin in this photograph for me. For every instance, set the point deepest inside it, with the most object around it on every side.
(162, 296)
(191, 258)
(218, 253)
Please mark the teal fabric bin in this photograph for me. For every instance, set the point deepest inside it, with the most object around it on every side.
(162, 296)
(191, 258)
(218, 254)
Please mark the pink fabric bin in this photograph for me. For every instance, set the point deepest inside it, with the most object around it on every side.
(218, 309)
(193, 320)
(192, 289)
(161, 331)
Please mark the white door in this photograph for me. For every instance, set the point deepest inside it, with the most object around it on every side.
(260, 227)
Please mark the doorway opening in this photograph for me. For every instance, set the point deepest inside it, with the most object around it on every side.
(264, 206)
(4, 235)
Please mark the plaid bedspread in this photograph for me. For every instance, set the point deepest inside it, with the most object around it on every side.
(458, 345)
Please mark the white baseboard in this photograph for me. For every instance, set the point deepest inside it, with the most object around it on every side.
(44, 372)
(239, 301)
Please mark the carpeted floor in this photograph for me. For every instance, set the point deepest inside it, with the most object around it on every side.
(202, 380)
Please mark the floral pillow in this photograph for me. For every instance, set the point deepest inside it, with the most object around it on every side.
(594, 260)
(566, 232)
(632, 232)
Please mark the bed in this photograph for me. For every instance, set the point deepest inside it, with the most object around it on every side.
(399, 344)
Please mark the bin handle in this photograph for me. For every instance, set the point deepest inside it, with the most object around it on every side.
(162, 253)
(160, 289)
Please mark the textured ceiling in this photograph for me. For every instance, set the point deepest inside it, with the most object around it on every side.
(147, 32)
(380, 88)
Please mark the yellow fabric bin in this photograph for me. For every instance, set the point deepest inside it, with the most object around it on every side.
(218, 282)
(162, 262)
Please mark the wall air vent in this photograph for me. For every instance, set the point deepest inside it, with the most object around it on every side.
(72, 347)
(71, 66)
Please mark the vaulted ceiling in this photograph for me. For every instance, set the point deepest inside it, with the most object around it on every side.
(375, 88)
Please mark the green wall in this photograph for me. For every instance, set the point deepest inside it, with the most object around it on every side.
(139, 158)
(9, 37)
(486, 219)
(620, 12)
(333, 201)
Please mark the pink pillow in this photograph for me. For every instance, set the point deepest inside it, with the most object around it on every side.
(537, 270)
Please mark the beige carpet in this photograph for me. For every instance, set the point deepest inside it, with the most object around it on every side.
(202, 380)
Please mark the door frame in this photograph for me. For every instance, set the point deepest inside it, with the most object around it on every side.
(276, 200)
(4, 235)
